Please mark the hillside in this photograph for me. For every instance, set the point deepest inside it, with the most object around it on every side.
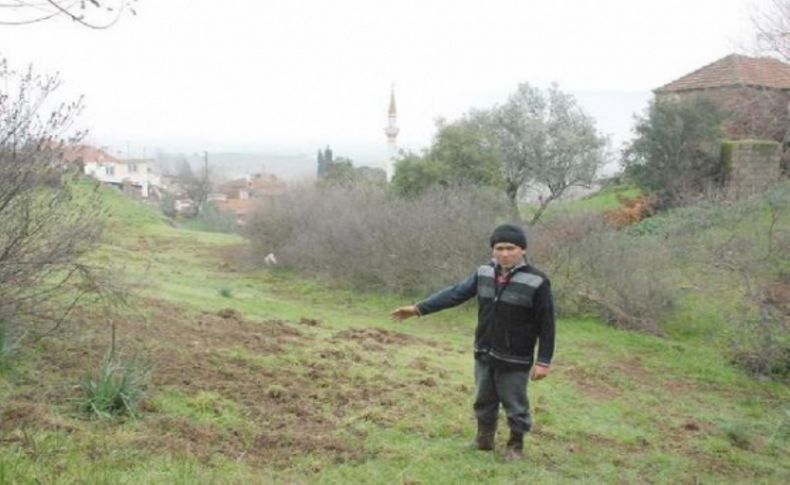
(260, 376)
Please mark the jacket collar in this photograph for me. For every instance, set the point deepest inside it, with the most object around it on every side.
(522, 266)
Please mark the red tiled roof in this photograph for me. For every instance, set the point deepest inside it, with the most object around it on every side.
(734, 70)
(258, 184)
(86, 154)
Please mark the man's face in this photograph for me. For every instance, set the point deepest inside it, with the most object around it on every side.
(508, 255)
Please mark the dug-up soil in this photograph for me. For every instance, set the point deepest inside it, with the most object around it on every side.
(286, 389)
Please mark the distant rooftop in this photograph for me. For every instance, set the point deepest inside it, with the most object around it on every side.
(86, 154)
(734, 70)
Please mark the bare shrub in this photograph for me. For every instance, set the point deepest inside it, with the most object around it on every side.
(370, 239)
(48, 218)
(625, 279)
(553, 248)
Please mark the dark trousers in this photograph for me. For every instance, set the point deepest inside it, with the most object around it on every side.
(496, 385)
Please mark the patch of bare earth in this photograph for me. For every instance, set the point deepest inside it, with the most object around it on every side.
(306, 403)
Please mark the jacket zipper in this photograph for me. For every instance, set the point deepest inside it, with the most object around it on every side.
(496, 302)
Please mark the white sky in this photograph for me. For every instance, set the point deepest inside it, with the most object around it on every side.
(289, 75)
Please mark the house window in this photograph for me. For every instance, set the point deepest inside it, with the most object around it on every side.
(110, 170)
(132, 167)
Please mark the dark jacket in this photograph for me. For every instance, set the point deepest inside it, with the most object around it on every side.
(512, 317)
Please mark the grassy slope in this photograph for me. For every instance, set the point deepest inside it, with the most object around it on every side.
(313, 383)
(604, 199)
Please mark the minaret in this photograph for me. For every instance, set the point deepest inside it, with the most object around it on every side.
(392, 134)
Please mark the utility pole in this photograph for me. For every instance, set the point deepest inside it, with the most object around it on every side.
(205, 181)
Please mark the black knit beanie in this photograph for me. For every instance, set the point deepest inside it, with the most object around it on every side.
(509, 233)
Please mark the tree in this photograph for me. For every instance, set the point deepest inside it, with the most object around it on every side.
(544, 140)
(534, 140)
(676, 150)
(415, 173)
(466, 151)
(196, 185)
(339, 171)
(48, 217)
(772, 26)
(94, 14)
(461, 154)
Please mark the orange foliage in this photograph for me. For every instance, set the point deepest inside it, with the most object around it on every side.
(631, 210)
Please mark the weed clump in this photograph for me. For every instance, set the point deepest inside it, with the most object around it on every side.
(226, 293)
(116, 388)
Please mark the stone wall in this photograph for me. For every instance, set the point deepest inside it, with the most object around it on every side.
(751, 165)
(749, 112)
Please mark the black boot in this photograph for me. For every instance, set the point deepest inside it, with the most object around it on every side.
(485, 436)
(514, 450)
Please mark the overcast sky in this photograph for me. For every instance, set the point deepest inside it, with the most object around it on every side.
(294, 75)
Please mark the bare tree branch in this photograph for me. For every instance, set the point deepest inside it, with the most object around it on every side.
(93, 14)
(49, 218)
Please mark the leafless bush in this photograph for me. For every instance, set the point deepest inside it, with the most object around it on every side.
(48, 219)
(596, 267)
(553, 248)
(366, 237)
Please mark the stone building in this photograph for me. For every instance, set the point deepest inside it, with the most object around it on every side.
(754, 93)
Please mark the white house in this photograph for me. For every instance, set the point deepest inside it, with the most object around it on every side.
(136, 172)
(107, 169)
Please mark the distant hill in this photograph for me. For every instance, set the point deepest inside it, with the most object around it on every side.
(234, 164)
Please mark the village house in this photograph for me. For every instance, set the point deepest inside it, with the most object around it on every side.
(754, 93)
(131, 174)
(241, 196)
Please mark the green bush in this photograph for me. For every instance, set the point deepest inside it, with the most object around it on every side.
(116, 388)
(738, 248)
(676, 153)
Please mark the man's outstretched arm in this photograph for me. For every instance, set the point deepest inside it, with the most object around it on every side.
(446, 298)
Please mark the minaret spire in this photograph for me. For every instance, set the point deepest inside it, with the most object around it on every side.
(393, 112)
(392, 131)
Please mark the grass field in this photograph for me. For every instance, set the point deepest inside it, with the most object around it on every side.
(262, 376)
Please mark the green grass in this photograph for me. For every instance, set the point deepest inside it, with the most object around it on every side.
(307, 388)
(203, 407)
(604, 199)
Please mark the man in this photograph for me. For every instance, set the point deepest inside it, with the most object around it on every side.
(515, 311)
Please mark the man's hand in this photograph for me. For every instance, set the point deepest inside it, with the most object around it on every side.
(539, 372)
(405, 312)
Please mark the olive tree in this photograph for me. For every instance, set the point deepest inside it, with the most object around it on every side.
(544, 141)
(538, 139)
